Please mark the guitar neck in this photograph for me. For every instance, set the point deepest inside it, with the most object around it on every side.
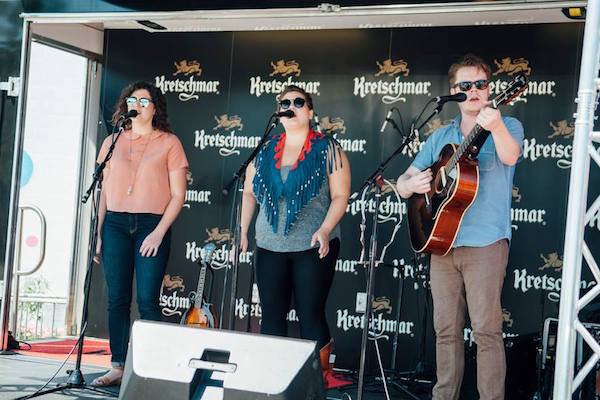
(471, 137)
(474, 134)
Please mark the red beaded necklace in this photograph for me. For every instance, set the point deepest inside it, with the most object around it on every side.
(306, 148)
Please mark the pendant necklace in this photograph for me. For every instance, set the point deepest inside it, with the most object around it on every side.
(133, 170)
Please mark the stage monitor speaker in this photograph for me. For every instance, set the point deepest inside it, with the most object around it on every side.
(168, 361)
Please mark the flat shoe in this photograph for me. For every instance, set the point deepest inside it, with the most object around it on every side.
(111, 378)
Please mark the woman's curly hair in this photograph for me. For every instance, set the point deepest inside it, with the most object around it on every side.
(160, 120)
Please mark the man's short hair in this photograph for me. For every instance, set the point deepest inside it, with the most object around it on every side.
(468, 60)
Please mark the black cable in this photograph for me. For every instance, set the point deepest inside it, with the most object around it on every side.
(414, 122)
(401, 120)
(29, 396)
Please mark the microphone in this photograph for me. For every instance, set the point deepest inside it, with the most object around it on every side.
(387, 117)
(458, 97)
(286, 113)
(129, 114)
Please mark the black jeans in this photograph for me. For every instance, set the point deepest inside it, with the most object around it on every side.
(122, 236)
(308, 278)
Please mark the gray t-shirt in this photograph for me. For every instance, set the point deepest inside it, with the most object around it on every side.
(309, 220)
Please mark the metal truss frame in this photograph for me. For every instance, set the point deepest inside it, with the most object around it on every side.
(576, 249)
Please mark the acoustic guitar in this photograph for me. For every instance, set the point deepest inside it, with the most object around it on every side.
(434, 218)
(200, 313)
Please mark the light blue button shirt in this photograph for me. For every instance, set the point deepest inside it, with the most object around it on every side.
(488, 218)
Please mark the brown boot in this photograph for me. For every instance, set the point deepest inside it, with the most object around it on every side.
(329, 378)
(325, 353)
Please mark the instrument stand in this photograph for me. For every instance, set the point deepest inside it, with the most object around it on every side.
(376, 181)
(76, 379)
(238, 181)
(413, 377)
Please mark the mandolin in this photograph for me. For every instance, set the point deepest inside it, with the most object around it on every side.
(200, 314)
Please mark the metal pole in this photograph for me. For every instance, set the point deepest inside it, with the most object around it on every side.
(371, 265)
(16, 276)
(14, 189)
(575, 225)
(235, 264)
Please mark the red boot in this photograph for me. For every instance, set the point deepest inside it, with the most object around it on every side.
(329, 377)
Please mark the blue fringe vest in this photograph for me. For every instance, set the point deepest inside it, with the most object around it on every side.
(320, 156)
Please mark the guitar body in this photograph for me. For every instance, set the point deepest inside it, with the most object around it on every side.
(433, 227)
(199, 317)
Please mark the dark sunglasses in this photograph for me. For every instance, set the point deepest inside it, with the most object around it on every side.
(465, 86)
(144, 102)
(286, 103)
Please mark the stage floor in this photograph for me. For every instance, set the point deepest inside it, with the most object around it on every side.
(21, 375)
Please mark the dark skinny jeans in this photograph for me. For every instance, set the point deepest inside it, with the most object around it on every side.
(122, 236)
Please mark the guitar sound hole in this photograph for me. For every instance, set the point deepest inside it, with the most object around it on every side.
(439, 184)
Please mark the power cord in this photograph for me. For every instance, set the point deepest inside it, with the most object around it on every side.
(29, 396)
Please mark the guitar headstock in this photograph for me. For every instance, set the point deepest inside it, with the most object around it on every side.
(512, 91)
(207, 252)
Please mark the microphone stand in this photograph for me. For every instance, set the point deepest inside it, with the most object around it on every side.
(420, 367)
(238, 181)
(76, 379)
(375, 180)
(435, 112)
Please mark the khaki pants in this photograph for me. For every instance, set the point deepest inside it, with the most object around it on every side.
(469, 277)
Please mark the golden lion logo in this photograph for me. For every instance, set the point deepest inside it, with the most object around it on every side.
(332, 125)
(507, 318)
(552, 261)
(563, 129)
(436, 124)
(382, 304)
(226, 122)
(187, 68)
(512, 67)
(218, 235)
(285, 68)
(393, 68)
(516, 195)
(173, 283)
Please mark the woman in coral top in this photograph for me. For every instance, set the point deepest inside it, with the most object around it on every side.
(143, 192)
(301, 181)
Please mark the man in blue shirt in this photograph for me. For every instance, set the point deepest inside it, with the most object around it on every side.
(472, 273)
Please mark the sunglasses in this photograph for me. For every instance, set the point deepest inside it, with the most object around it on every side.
(144, 102)
(465, 86)
(298, 103)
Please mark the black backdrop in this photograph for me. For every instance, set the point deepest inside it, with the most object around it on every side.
(221, 90)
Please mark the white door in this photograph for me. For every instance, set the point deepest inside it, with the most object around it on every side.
(49, 191)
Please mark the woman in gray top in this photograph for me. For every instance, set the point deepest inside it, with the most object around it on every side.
(301, 181)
